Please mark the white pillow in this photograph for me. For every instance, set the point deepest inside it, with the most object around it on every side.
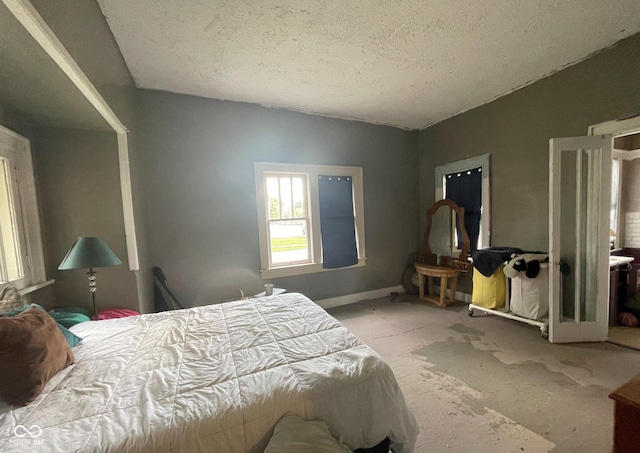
(294, 435)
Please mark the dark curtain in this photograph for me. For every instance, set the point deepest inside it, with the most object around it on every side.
(465, 188)
(337, 222)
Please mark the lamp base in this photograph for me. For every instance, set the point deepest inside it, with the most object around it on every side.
(92, 289)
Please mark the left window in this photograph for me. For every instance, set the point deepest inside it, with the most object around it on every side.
(288, 219)
(21, 256)
(310, 218)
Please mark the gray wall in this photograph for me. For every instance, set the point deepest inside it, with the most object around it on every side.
(201, 203)
(15, 121)
(79, 195)
(516, 130)
(84, 32)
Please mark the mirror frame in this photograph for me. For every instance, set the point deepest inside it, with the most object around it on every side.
(462, 262)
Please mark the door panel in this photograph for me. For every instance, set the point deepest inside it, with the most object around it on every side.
(580, 185)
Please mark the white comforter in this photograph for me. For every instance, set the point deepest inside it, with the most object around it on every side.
(214, 379)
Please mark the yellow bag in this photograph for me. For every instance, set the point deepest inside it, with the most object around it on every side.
(489, 292)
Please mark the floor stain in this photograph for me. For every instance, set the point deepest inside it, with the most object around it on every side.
(547, 401)
(461, 328)
(576, 365)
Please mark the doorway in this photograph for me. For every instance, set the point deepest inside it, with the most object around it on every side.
(625, 211)
(625, 242)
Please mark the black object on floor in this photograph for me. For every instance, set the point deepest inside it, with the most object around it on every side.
(163, 298)
(382, 447)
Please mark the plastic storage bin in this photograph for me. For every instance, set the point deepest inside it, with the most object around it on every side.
(530, 296)
(489, 292)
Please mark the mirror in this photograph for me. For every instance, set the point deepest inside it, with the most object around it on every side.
(441, 238)
(444, 219)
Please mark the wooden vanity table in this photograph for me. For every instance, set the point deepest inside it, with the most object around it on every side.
(448, 268)
(445, 273)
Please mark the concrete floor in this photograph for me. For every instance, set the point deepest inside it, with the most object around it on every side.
(489, 384)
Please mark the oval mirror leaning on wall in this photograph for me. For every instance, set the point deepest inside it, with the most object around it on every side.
(445, 221)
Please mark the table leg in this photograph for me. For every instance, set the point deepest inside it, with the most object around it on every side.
(443, 291)
(431, 290)
(454, 283)
(421, 285)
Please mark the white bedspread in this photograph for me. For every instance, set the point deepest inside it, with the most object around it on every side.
(214, 379)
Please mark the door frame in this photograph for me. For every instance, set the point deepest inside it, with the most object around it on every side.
(616, 127)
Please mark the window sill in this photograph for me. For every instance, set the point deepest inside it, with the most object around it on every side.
(302, 269)
(32, 288)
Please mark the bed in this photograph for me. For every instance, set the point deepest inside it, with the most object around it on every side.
(214, 378)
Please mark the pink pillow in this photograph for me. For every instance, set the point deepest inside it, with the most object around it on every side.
(627, 319)
(112, 313)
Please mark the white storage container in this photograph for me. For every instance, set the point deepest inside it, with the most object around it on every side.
(530, 296)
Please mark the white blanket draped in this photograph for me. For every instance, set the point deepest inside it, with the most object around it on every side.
(214, 378)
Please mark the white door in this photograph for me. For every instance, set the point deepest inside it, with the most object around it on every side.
(579, 204)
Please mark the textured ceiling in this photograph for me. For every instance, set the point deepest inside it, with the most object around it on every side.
(404, 63)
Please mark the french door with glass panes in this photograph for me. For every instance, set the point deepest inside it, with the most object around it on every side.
(579, 204)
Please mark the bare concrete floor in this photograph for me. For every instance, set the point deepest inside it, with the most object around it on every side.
(489, 384)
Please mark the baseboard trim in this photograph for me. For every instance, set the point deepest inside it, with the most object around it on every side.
(357, 297)
(376, 293)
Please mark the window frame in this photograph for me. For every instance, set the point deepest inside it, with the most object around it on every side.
(483, 161)
(24, 195)
(263, 169)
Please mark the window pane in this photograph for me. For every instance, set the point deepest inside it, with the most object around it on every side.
(289, 241)
(9, 227)
(615, 184)
(273, 196)
(298, 197)
(285, 199)
(465, 188)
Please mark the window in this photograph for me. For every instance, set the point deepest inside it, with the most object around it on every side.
(467, 183)
(21, 257)
(310, 218)
(614, 215)
(10, 253)
(288, 219)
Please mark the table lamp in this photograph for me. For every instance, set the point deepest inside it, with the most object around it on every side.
(89, 252)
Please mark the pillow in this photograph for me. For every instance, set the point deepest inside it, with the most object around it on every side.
(72, 310)
(627, 319)
(294, 435)
(72, 339)
(113, 313)
(69, 317)
(10, 299)
(32, 351)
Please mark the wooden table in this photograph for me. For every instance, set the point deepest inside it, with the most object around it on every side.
(445, 273)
